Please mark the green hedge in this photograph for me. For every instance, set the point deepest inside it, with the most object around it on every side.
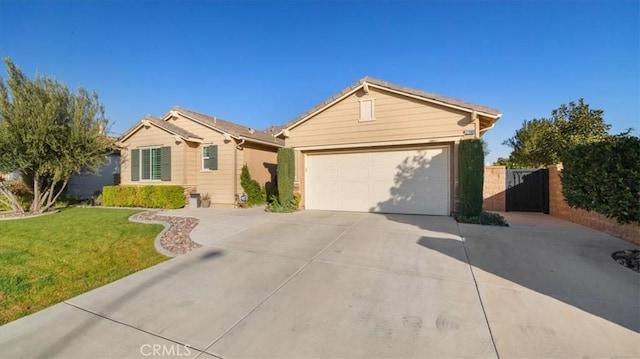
(169, 197)
(604, 177)
(286, 175)
(255, 193)
(470, 176)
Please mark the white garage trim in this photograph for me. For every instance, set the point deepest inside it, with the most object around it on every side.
(405, 180)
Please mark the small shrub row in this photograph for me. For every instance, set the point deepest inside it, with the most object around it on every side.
(169, 197)
(485, 218)
(275, 206)
(256, 194)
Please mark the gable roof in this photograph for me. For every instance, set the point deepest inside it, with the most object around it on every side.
(236, 130)
(163, 125)
(403, 90)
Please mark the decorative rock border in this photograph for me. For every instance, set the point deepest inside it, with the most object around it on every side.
(174, 239)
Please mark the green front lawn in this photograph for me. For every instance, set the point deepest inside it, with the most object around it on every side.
(48, 259)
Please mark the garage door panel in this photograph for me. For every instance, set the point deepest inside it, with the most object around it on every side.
(408, 181)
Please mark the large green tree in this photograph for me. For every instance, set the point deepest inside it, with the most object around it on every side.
(540, 142)
(48, 133)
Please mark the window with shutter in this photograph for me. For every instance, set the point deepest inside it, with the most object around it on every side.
(150, 164)
(210, 157)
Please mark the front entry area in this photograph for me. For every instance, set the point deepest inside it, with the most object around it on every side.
(408, 181)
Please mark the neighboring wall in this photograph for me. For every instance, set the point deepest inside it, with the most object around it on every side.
(85, 184)
(262, 162)
(495, 186)
(558, 207)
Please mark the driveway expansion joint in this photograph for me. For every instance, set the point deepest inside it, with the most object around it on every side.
(475, 283)
(132, 326)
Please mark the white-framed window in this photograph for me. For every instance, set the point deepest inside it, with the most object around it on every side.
(205, 158)
(367, 110)
(150, 164)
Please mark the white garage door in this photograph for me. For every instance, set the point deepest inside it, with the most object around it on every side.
(405, 181)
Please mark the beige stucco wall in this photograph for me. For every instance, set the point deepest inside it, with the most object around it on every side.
(153, 137)
(495, 187)
(397, 118)
(558, 207)
(261, 161)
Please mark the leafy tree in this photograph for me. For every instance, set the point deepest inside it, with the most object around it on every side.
(540, 142)
(604, 176)
(48, 133)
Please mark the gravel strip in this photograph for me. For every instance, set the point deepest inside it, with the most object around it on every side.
(176, 238)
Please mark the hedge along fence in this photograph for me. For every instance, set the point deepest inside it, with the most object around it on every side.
(470, 176)
(169, 197)
(604, 177)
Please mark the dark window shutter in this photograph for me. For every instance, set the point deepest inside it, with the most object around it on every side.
(213, 157)
(165, 163)
(135, 165)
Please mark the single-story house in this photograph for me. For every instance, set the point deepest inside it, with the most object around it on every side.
(381, 147)
(202, 153)
(85, 184)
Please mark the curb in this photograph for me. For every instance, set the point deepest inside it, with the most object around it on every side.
(156, 242)
(30, 216)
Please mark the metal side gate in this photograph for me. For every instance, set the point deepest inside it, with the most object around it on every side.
(528, 190)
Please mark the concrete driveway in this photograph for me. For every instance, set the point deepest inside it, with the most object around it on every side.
(356, 285)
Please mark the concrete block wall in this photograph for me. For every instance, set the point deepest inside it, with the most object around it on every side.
(558, 207)
(494, 190)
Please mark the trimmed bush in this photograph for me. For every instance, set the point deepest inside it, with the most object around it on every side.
(255, 193)
(169, 197)
(485, 218)
(286, 175)
(470, 177)
(604, 177)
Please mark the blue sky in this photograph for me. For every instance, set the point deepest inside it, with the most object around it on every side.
(264, 63)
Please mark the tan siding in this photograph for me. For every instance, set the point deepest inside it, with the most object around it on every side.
(397, 118)
(151, 137)
(219, 184)
(262, 162)
(191, 163)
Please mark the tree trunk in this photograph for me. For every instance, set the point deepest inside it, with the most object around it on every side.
(35, 205)
(10, 199)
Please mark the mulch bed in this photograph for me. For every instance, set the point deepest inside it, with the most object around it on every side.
(176, 239)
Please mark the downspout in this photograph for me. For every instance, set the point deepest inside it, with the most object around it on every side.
(237, 148)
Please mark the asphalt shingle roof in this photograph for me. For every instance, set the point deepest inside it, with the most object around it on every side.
(231, 128)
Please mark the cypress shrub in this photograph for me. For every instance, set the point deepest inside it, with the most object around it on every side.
(286, 175)
(255, 193)
(604, 177)
(470, 176)
(169, 197)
